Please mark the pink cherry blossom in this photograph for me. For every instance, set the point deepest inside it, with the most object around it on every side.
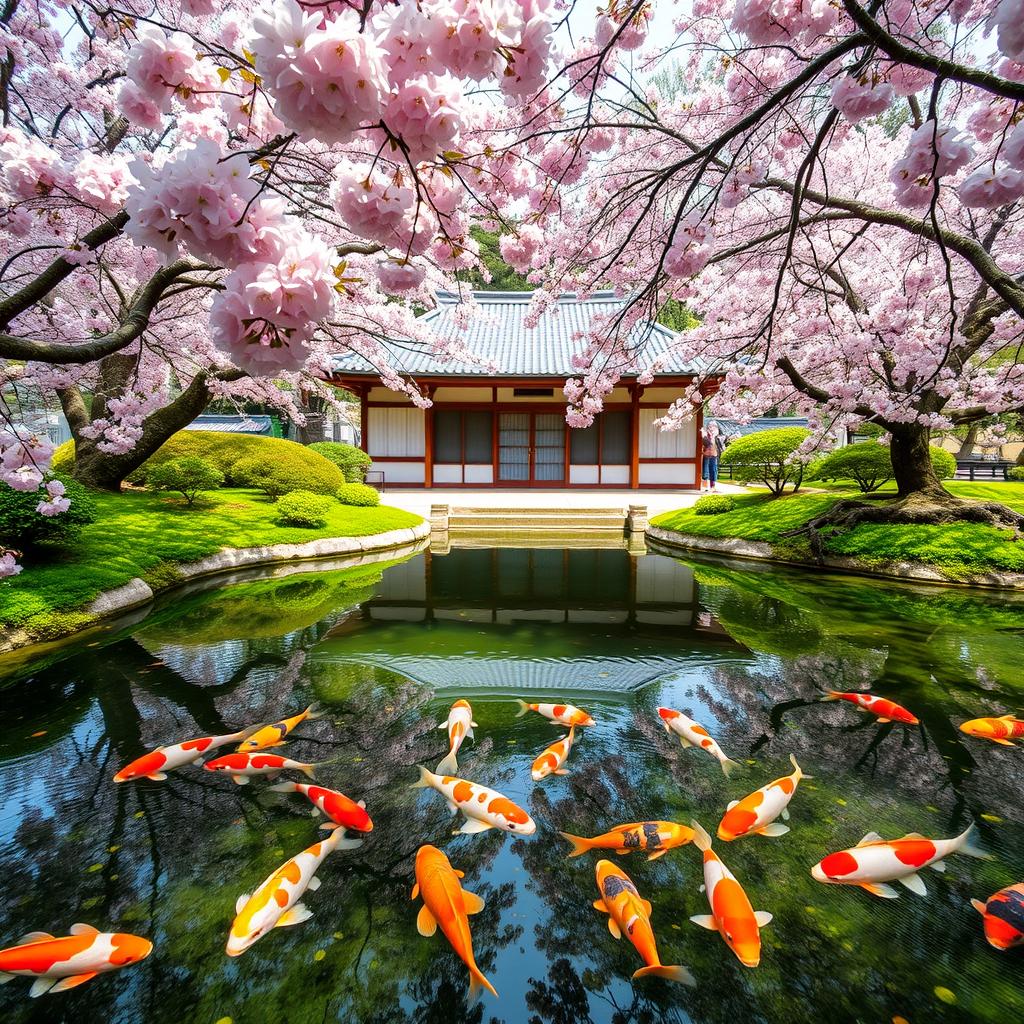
(986, 188)
(56, 503)
(858, 99)
(929, 154)
(520, 250)
(9, 564)
(425, 113)
(1009, 22)
(691, 247)
(398, 276)
(465, 35)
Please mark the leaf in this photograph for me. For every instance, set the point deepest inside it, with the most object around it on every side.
(223, 74)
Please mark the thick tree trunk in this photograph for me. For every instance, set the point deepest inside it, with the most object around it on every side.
(912, 468)
(967, 448)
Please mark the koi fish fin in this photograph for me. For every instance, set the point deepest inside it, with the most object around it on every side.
(871, 837)
(657, 854)
(309, 770)
(314, 812)
(706, 921)
(41, 986)
(473, 903)
(1006, 718)
(732, 804)
(314, 884)
(915, 883)
(1002, 743)
(880, 889)
(473, 725)
(614, 928)
(425, 781)
(797, 769)
(361, 803)
(763, 918)
(679, 975)
(523, 708)
(646, 904)
(729, 766)
(700, 838)
(580, 845)
(331, 825)
(601, 906)
(5, 977)
(774, 830)
(939, 865)
(471, 826)
(448, 765)
(426, 924)
(453, 807)
(34, 937)
(458, 873)
(415, 891)
(477, 982)
(785, 814)
(299, 913)
(969, 844)
(157, 776)
(684, 741)
(239, 780)
(913, 835)
(73, 981)
(82, 929)
(241, 901)
(443, 725)
(285, 787)
(981, 908)
(560, 771)
(884, 721)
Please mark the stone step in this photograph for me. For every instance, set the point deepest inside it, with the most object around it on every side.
(526, 520)
(495, 510)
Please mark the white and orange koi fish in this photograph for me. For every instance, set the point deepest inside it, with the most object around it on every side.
(340, 809)
(459, 724)
(482, 808)
(447, 904)
(731, 915)
(58, 964)
(241, 766)
(693, 735)
(875, 861)
(756, 814)
(557, 714)
(157, 763)
(266, 736)
(886, 710)
(552, 760)
(275, 904)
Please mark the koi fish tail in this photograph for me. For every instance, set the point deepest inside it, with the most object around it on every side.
(700, 837)
(523, 708)
(968, 844)
(314, 711)
(242, 734)
(284, 787)
(337, 840)
(832, 695)
(424, 781)
(448, 765)
(580, 845)
(477, 983)
(679, 975)
(309, 770)
(800, 773)
(729, 766)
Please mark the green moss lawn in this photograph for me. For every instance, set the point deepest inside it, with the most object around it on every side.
(957, 550)
(144, 534)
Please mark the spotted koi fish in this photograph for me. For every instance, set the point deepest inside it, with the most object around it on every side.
(447, 904)
(275, 904)
(731, 915)
(482, 808)
(693, 735)
(875, 861)
(157, 763)
(551, 761)
(58, 964)
(459, 724)
(656, 837)
(1003, 916)
(886, 710)
(756, 814)
(559, 714)
(241, 766)
(266, 736)
(998, 730)
(628, 912)
(339, 808)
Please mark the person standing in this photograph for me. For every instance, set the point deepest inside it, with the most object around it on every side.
(712, 445)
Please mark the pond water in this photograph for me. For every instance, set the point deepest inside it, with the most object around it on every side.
(386, 648)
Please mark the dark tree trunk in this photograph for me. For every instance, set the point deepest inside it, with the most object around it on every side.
(912, 464)
(967, 448)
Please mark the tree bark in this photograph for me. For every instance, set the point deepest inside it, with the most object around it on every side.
(967, 448)
(912, 469)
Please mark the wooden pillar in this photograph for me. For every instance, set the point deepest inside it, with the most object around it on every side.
(428, 441)
(364, 435)
(634, 455)
(698, 446)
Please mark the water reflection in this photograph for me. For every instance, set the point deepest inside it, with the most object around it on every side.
(746, 650)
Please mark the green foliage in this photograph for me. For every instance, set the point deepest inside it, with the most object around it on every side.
(943, 462)
(358, 494)
(868, 463)
(676, 317)
(21, 526)
(766, 456)
(189, 476)
(285, 471)
(1015, 473)
(713, 505)
(63, 457)
(303, 508)
(352, 461)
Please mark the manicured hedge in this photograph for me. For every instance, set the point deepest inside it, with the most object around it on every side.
(21, 526)
(358, 494)
(303, 508)
(713, 505)
(767, 456)
(352, 461)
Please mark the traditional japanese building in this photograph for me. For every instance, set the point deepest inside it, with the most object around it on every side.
(505, 426)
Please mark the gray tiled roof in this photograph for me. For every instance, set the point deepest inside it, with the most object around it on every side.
(499, 336)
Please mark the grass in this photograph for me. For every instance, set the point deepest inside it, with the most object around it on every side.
(147, 535)
(958, 550)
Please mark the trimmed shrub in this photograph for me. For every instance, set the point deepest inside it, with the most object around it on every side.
(189, 476)
(943, 462)
(21, 526)
(358, 494)
(63, 460)
(713, 505)
(867, 463)
(303, 508)
(276, 476)
(766, 457)
(352, 461)
(1016, 473)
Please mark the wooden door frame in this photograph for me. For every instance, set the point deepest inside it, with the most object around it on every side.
(534, 482)
(531, 450)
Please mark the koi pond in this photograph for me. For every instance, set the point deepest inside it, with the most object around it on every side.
(386, 649)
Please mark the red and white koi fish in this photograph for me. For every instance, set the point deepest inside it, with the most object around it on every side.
(157, 763)
(551, 761)
(460, 724)
(656, 837)
(275, 904)
(693, 735)
(482, 808)
(998, 730)
(559, 714)
(886, 710)
(756, 814)
(58, 964)
(350, 814)
(628, 912)
(875, 861)
(1003, 915)
(447, 904)
(241, 766)
(731, 915)
(266, 736)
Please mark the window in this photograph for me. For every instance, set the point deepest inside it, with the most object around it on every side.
(606, 442)
(461, 437)
(533, 392)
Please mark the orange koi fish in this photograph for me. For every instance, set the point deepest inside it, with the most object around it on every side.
(551, 761)
(339, 808)
(483, 808)
(693, 735)
(157, 763)
(558, 714)
(875, 861)
(731, 915)
(459, 724)
(628, 912)
(275, 904)
(886, 710)
(72, 960)
(998, 730)
(656, 837)
(266, 736)
(1003, 915)
(241, 766)
(756, 814)
(447, 904)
